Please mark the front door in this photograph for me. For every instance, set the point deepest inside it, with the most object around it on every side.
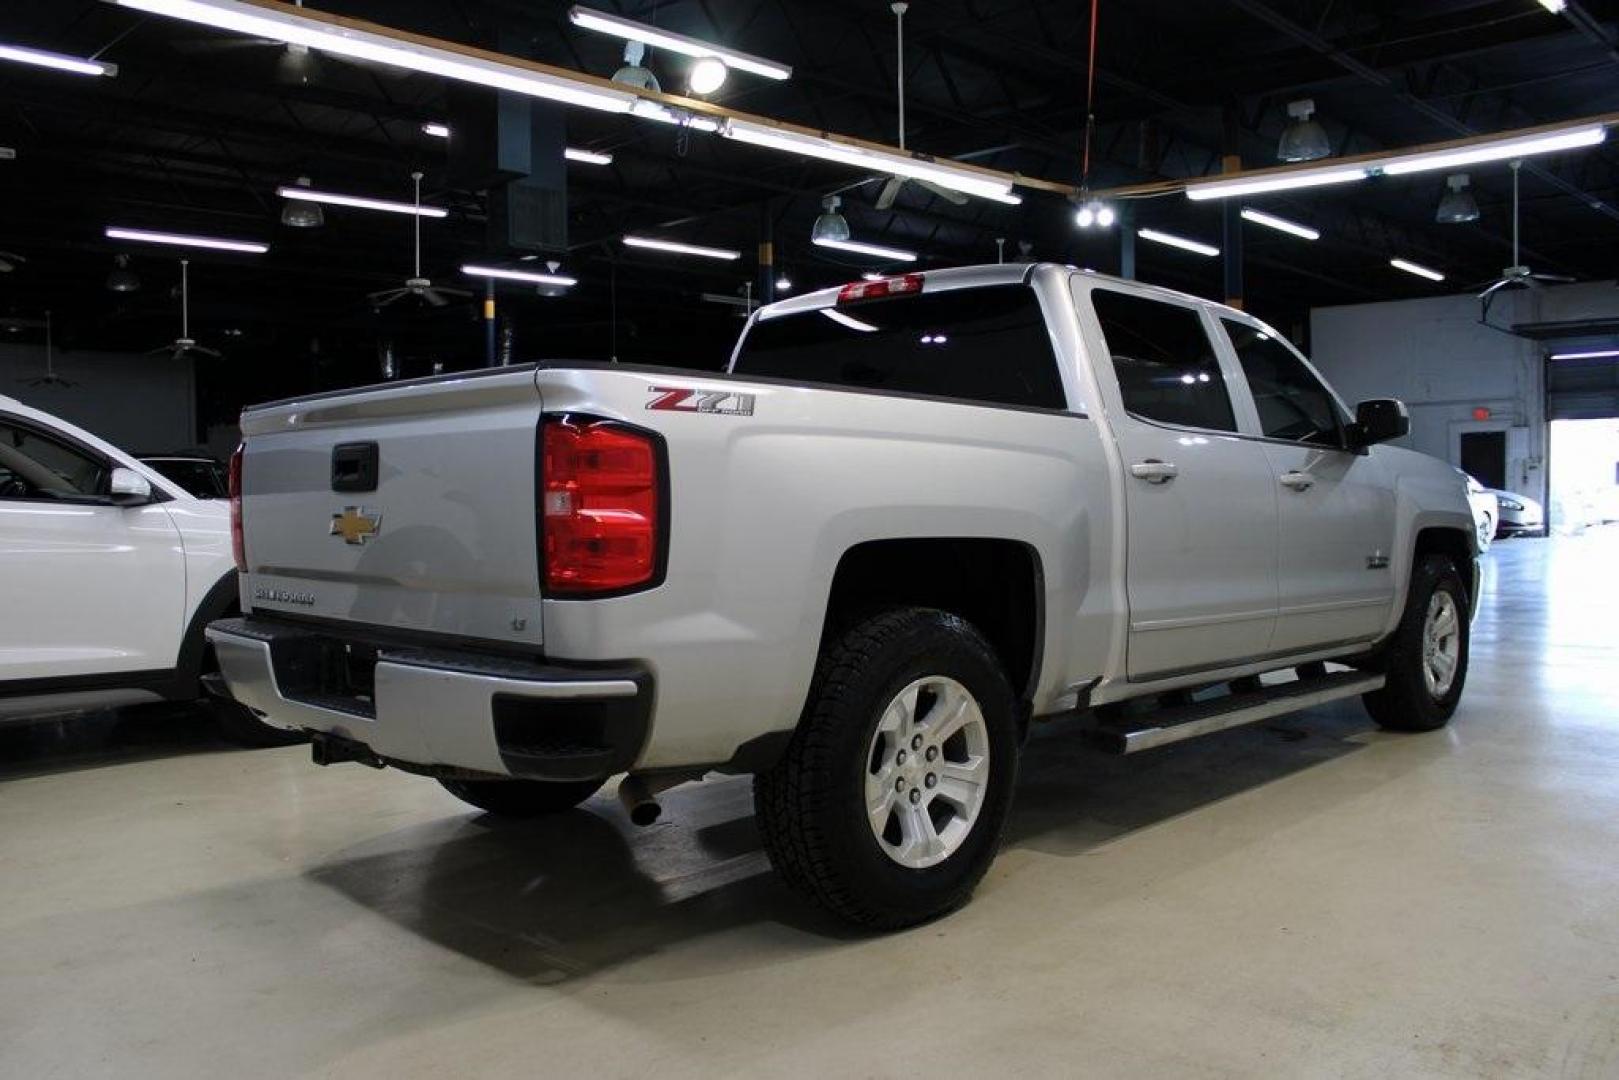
(1199, 499)
(1336, 508)
(89, 588)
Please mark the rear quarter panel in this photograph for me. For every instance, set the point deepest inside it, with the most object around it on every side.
(764, 506)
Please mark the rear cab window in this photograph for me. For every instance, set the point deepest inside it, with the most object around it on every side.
(986, 344)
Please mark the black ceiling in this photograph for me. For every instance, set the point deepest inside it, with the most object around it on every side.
(193, 136)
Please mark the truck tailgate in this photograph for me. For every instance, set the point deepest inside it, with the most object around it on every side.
(410, 507)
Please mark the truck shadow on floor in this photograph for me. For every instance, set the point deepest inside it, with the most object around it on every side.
(107, 737)
(549, 900)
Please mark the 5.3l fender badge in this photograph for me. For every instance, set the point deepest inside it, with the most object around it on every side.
(356, 525)
(718, 402)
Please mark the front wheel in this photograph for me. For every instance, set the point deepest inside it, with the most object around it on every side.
(1486, 533)
(1426, 659)
(888, 805)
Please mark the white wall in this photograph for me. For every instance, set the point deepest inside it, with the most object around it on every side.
(1437, 357)
(135, 402)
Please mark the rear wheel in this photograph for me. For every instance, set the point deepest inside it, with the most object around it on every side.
(1426, 659)
(888, 806)
(523, 798)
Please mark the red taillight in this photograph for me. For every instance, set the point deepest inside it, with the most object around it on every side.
(238, 546)
(601, 506)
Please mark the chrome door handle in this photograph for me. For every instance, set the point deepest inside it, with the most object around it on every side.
(1298, 481)
(1154, 471)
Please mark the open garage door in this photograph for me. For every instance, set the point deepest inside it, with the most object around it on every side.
(1583, 389)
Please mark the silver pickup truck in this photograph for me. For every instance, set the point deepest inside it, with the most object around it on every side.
(914, 515)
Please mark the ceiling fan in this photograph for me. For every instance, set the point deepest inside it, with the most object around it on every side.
(417, 285)
(1518, 275)
(184, 345)
(895, 184)
(50, 378)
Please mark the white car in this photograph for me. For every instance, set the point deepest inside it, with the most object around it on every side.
(1486, 511)
(912, 516)
(109, 574)
(1520, 515)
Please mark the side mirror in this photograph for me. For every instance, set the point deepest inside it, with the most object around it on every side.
(1378, 420)
(126, 487)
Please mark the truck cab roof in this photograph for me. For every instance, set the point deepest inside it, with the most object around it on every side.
(987, 274)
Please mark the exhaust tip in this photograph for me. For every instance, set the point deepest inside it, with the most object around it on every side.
(645, 813)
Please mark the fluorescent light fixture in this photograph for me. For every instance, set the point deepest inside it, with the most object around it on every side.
(438, 131)
(1280, 224)
(663, 114)
(680, 249)
(952, 176)
(1006, 197)
(560, 280)
(1554, 6)
(56, 61)
(325, 33)
(359, 202)
(848, 320)
(115, 232)
(587, 157)
(875, 250)
(1195, 246)
(1417, 268)
(1497, 150)
(1599, 354)
(1397, 164)
(629, 30)
(1287, 181)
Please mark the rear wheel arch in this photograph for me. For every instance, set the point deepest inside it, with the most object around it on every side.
(997, 585)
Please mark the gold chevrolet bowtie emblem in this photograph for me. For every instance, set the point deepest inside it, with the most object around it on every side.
(356, 525)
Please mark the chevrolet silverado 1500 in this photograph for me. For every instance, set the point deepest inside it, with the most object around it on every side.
(912, 515)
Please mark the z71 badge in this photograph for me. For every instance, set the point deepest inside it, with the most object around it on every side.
(721, 402)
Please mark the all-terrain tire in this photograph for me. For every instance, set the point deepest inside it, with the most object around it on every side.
(1408, 700)
(812, 805)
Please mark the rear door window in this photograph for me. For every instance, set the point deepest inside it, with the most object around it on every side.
(1167, 369)
(988, 345)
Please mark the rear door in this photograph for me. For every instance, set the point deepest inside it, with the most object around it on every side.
(1199, 498)
(86, 588)
(1336, 507)
(410, 507)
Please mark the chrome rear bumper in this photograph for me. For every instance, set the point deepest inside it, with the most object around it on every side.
(427, 707)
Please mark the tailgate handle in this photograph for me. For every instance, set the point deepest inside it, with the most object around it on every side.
(354, 467)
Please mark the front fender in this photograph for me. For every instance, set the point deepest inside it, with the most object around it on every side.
(1428, 494)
